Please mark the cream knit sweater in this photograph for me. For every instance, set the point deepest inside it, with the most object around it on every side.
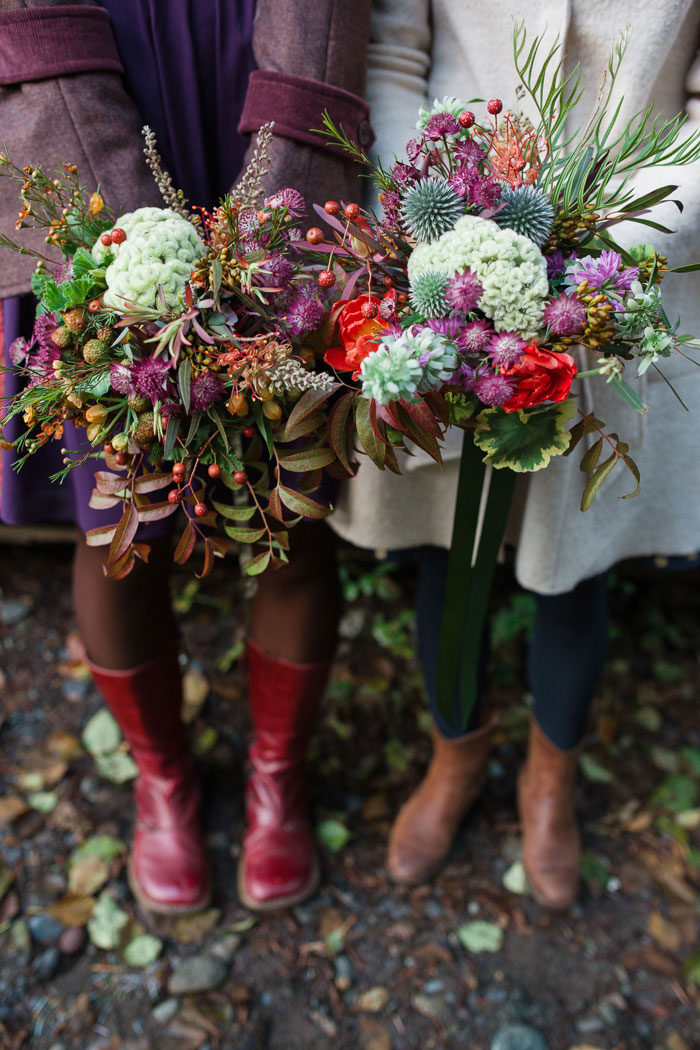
(421, 50)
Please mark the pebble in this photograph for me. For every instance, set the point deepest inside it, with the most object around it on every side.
(267, 999)
(199, 973)
(433, 987)
(44, 929)
(226, 948)
(165, 1011)
(496, 995)
(46, 964)
(72, 940)
(433, 909)
(12, 612)
(433, 1006)
(344, 973)
(518, 1037)
(589, 1024)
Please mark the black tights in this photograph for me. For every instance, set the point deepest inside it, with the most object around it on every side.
(565, 661)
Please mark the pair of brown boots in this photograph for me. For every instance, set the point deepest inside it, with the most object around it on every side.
(422, 836)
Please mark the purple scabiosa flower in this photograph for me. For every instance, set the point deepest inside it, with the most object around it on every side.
(402, 173)
(305, 312)
(63, 272)
(555, 264)
(441, 124)
(464, 291)
(564, 315)
(149, 377)
(205, 389)
(605, 268)
(248, 222)
(120, 378)
(287, 198)
(485, 192)
(475, 337)
(447, 326)
(467, 151)
(494, 389)
(280, 270)
(506, 349)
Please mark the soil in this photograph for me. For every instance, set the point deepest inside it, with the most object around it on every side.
(364, 964)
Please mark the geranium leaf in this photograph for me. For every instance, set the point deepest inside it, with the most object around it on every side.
(524, 440)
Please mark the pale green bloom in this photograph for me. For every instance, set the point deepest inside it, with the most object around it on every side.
(407, 364)
(510, 267)
(654, 344)
(447, 104)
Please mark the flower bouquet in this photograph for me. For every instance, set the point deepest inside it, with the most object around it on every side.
(182, 343)
(494, 262)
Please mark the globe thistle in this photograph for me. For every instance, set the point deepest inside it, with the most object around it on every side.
(431, 208)
(413, 362)
(493, 389)
(464, 291)
(564, 315)
(528, 211)
(428, 294)
(505, 349)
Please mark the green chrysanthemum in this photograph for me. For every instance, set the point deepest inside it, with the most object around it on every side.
(431, 208)
(428, 294)
(528, 211)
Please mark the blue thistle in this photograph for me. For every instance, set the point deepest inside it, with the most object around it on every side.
(428, 294)
(431, 208)
(528, 211)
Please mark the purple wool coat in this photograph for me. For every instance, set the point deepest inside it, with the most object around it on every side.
(77, 82)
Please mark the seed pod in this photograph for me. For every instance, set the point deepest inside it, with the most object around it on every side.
(272, 410)
(94, 433)
(144, 433)
(62, 337)
(120, 442)
(95, 352)
(75, 319)
(96, 414)
(139, 404)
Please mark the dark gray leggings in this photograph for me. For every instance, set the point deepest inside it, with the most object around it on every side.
(565, 661)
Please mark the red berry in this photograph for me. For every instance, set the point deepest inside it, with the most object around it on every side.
(200, 509)
(331, 207)
(118, 236)
(109, 449)
(121, 459)
(369, 309)
(214, 470)
(94, 306)
(249, 432)
(351, 211)
(494, 106)
(240, 477)
(314, 235)
(466, 118)
(388, 281)
(402, 297)
(179, 470)
(174, 496)
(326, 278)
(106, 239)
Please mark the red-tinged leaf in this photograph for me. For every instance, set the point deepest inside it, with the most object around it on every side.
(208, 564)
(220, 546)
(378, 425)
(312, 424)
(339, 429)
(385, 412)
(156, 511)
(208, 519)
(242, 535)
(439, 406)
(98, 501)
(258, 564)
(416, 433)
(375, 449)
(310, 482)
(142, 551)
(307, 460)
(424, 418)
(121, 567)
(302, 504)
(307, 405)
(275, 505)
(124, 533)
(185, 544)
(283, 539)
(108, 483)
(391, 461)
(100, 536)
(152, 482)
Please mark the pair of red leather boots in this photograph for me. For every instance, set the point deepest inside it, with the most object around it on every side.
(168, 869)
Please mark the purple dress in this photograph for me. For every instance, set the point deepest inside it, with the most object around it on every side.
(187, 64)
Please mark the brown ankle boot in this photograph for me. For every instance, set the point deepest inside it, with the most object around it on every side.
(423, 833)
(551, 845)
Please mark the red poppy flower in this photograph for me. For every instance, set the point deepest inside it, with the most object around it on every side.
(542, 376)
(359, 336)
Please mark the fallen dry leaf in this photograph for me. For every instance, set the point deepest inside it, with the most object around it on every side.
(192, 929)
(374, 1034)
(195, 690)
(64, 745)
(87, 875)
(72, 910)
(374, 1000)
(664, 932)
(11, 807)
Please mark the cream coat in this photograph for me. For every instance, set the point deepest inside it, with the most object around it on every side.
(424, 50)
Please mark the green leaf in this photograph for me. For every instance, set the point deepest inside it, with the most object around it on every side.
(333, 834)
(480, 936)
(142, 950)
(234, 513)
(171, 432)
(96, 386)
(677, 793)
(300, 503)
(194, 424)
(184, 378)
(244, 535)
(83, 263)
(308, 460)
(105, 846)
(628, 395)
(593, 770)
(118, 767)
(106, 922)
(307, 405)
(590, 459)
(213, 414)
(596, 480)
(524, 440)
(258, 564)
(369, 441)
(102, 735)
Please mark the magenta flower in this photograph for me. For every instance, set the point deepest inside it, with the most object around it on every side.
(149, 378)
(564, 315)
(462, 180)
(604, 269)
(441, 124)
(305, 313)
(485, 192)
(555, 264)
(402, 173)
(494, 389)
(280, 270)
(475, 337)
(506, 349)
(63, 272)
(205, 389)
(468, 152)
(289, 198)
(120, 378)
(464, 291)
(447, 326)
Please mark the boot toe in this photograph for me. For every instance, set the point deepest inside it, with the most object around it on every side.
(277, 869)
(170, 877)
(554, 889)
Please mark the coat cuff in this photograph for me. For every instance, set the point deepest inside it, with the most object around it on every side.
(296, 105)
(40, 43)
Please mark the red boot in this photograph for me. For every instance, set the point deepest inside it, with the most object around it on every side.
(279, 866)
(168, 867)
